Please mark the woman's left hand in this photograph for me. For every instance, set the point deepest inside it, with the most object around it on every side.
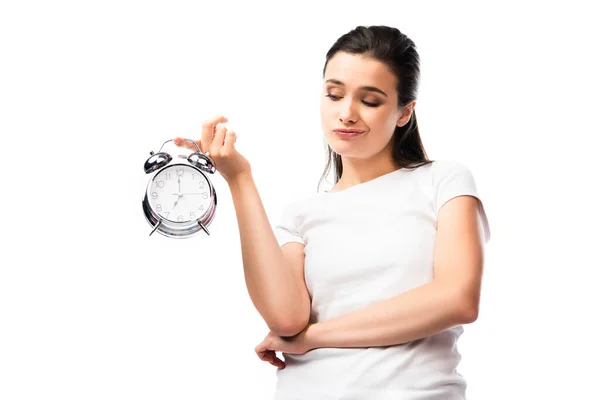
(292, 345)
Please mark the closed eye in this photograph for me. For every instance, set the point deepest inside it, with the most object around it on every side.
(336, 98)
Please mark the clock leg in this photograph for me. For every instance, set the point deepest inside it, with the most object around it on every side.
(203, 227)
(155, 227)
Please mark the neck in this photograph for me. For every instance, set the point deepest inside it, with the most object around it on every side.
(358, 170)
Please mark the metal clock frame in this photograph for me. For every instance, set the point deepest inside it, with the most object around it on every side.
(199, 162)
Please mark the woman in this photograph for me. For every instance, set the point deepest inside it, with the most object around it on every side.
(365, 288)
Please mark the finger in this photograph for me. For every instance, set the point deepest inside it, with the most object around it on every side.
(180, 142)
(270, 357)
(208, 128)
(184, 143)
(217, 142)
(228, 145)
(266, 355)
(278, 363)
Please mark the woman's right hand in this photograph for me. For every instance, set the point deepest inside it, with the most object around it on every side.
(219, 142)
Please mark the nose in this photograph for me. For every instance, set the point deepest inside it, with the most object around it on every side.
(347, 112)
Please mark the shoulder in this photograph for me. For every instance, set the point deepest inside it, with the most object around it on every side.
(443, 171)
(452, 178)
(441, 167)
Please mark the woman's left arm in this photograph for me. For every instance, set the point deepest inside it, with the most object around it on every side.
(450, 299)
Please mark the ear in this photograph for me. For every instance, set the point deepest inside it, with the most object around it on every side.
(406, 113)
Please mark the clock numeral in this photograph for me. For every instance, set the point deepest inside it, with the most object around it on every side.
(160, 184)
(167, 212)
(201, 185)
(154, 195)
(168, 176)
(205, 195)
(180, 218)
(193, 177)
(192, 215)
(201, 208)
(159, 207)
(180, 171)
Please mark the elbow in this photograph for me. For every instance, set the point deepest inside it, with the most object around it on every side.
(468, 310)
(296, 320)
(289, 328)
(470, 315)
(291, 320)
(466, 307)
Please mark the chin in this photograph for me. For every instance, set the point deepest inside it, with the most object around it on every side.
(342, 147)
(340, 150)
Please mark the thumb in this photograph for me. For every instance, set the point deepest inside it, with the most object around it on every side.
(184, 143)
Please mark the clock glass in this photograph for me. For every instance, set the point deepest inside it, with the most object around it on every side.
(179, 193)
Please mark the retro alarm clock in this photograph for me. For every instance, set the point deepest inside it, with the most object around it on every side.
(180, 199)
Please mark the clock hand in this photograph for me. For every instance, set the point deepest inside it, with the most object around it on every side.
(176, 201)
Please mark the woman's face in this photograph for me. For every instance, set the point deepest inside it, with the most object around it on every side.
(347, 104)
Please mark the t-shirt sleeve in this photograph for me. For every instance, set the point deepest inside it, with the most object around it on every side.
(453, 179)
(286, 228)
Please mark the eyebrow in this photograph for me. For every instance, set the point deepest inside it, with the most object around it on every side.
(367, 88)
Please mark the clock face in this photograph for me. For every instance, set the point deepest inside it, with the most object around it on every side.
(179, 193)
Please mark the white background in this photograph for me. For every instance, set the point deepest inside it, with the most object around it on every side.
(91, 307)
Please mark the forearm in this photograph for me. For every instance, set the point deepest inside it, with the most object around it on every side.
(270, 284)
(414, 314)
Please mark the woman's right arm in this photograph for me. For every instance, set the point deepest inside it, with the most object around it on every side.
(272, 276)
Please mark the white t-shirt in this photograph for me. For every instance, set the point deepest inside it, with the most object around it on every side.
(364, 244)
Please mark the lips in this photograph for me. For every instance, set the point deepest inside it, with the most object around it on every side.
(348, 132)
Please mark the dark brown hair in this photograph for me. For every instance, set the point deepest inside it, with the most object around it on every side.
(393, 48)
